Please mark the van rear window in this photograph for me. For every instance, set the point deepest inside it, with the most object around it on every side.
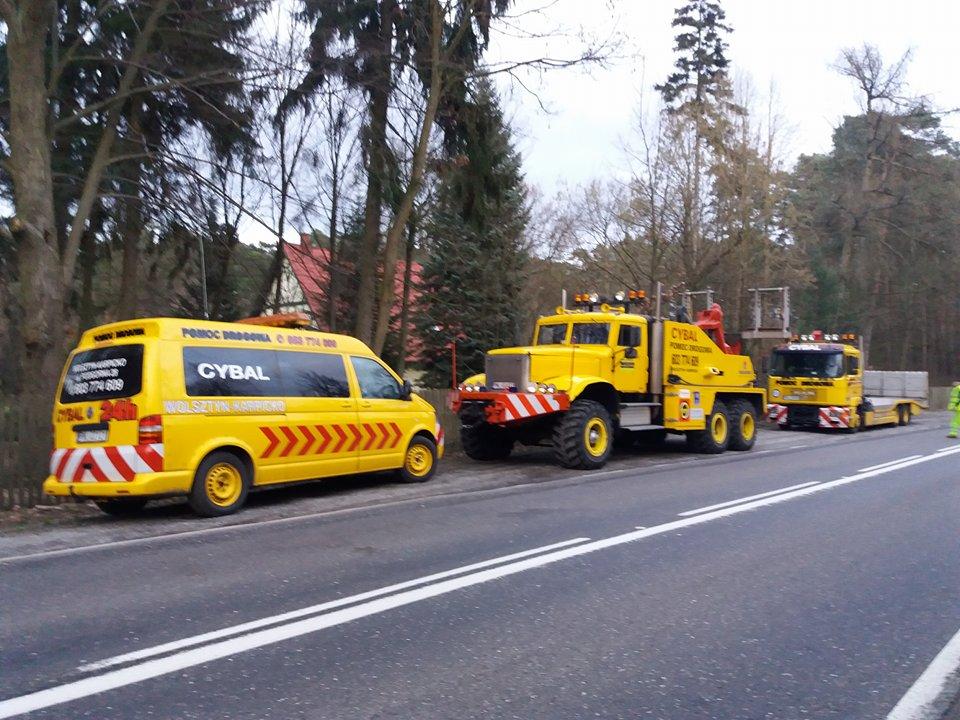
(103, 374)
(237, 372)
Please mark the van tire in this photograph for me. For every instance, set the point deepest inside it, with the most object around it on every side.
(703, 441)
(570, 445)
(220, 485)
(743, 420)
(484, 442)
(121, 507)
(419, 460)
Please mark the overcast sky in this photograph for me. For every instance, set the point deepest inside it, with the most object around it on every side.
(790, 44)
(571, 124)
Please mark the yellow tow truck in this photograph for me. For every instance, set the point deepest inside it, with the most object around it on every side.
(818, 381)
(604, 369)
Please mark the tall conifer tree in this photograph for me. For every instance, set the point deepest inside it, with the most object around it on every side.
(473, 275)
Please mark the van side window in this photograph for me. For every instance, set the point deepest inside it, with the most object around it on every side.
(853, 365)
(375, 381)
(231, 372)
(313, 375)
(629, 336)
(238, 372)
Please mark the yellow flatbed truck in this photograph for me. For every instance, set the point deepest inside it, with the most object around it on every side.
(604, 369)
(818, 381)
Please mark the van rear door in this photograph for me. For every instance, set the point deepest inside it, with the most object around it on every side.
(98, 414)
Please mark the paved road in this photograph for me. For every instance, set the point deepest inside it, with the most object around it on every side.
(802, 581)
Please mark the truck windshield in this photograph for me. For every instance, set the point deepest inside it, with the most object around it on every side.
(553, 334)
(590, 333)
(807, 364)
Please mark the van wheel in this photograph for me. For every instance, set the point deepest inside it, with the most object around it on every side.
(743, 425)
(715, 438)
(220, 485)
(583, 438)
(419, 462)
(121, 507)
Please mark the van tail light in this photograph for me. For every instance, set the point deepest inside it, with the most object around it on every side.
(151, 430)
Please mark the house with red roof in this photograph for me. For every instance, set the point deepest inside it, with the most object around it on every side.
(305, 284)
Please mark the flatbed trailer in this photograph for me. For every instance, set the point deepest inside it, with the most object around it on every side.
(818, 382)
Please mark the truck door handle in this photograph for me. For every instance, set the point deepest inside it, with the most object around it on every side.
(345, 404)
(366, 404)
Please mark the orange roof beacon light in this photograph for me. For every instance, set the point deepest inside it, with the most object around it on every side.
(284, 320)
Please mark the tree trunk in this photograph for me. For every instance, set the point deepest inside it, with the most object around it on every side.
(417, 167)
(405, 298)
(376, 168)
(333, 269)
(133, 228)
(34, 224)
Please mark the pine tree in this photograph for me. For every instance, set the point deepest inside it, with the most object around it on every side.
(701, 76)
(472, 278)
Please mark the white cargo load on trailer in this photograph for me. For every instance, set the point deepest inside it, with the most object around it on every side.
(879, 385)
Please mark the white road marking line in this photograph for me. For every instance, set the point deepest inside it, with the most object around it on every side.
(313, 609)
(113, 679)
(949, 447)
(891, 462)
(257, 524)
(930, 695)
(746, 499)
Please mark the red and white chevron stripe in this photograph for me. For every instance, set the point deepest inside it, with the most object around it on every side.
(438, 434)
(833, 416)
(777, 413)
(524, 405)
(119, 463)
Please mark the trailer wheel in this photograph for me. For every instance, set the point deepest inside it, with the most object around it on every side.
(903, 415)
(584, 436)
(743, 425)
(485, 442)
(715, 438)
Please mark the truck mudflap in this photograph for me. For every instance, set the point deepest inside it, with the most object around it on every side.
(502, 407)
(829, 416)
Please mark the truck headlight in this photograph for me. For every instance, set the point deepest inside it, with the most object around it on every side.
(531, 388)
(775, 393)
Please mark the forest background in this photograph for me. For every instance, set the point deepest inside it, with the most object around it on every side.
(140, 141)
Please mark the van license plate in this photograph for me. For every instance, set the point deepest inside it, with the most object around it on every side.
(91, 436)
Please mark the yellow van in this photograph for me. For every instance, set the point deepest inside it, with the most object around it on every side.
(162, 407)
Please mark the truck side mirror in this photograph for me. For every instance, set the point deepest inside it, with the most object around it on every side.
(406, 392)
(630, 353)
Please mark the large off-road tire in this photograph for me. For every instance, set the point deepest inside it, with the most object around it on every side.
(485, 442)
(715, 438)
(583, 438)
(420, 460)
(743, 425)
(121, 507)
(220, 485)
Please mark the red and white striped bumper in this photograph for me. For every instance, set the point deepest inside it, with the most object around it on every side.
(439, 435)
(119, 463)
(504, 407)
(834, 417)
(777, 413)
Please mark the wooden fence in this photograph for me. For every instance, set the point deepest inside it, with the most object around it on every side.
(25, 446)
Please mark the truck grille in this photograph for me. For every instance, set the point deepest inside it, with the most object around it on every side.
(507, 371)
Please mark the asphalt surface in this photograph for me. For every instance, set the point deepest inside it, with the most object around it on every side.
(827, 600)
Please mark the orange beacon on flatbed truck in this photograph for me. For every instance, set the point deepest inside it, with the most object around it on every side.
(164, 407)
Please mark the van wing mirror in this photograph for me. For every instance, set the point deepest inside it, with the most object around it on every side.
(406, 392)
